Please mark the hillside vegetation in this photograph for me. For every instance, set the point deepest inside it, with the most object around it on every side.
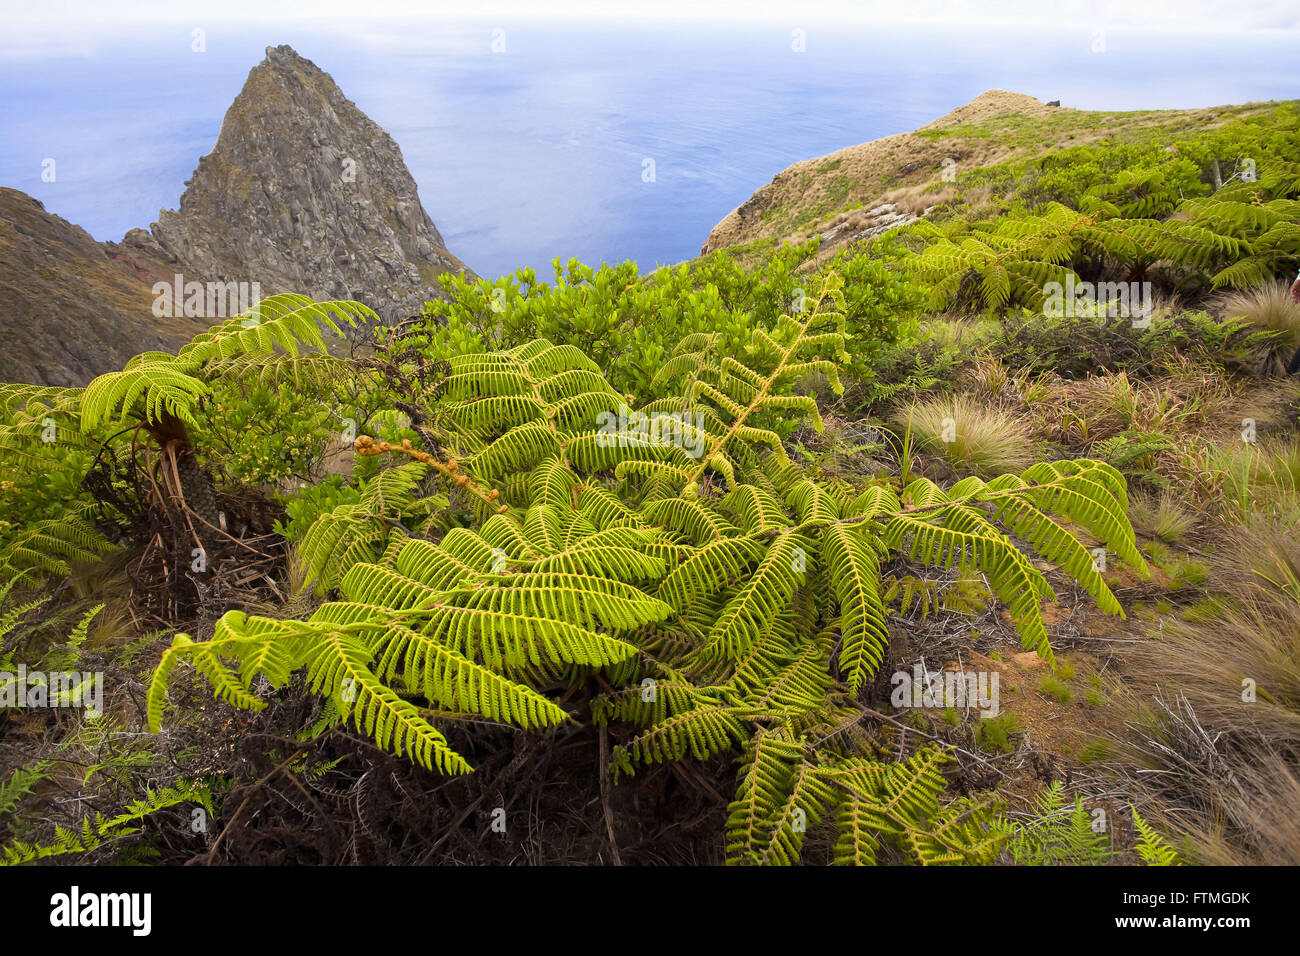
(883, 553)
(995, 136)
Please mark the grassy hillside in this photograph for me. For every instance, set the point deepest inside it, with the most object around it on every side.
(877, 550)
(990, 137)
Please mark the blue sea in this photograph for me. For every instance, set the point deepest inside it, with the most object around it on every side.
(529, 139)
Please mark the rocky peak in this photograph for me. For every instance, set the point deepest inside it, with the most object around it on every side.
(304, 193)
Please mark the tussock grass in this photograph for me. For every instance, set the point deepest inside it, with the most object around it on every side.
(1243, 479)
(1269, 308)
(1225, 764)
(1277, 468)
(1080, 413)
(1170, 405)
(917, 200)
(971, 438)
(1052, 686)
(990, 379)
(1161, 516)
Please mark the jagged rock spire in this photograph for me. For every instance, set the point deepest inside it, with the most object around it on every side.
(303, 192)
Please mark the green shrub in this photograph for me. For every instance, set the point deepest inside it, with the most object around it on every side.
(994, 733)
(630, 324)
(302, 509)
(1055, 688)
(266, 434)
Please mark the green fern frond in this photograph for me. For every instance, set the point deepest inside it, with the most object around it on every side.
(99, 830)
(853, 564)
(1151, 847)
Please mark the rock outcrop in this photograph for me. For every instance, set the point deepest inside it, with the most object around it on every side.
(305, 193)
(302, 193)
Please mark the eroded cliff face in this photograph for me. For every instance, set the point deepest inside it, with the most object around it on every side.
(71, 307)
(304, 193)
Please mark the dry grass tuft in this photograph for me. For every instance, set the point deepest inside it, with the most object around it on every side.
(1270, 308)
(1215, 703)
(1161, 516)
(972, 438)
(916, 200)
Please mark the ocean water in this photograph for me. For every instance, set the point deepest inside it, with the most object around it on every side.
(530, 140)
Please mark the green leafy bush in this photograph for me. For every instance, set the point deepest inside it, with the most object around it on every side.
(303, 508)
(630, 324)
(268, 434)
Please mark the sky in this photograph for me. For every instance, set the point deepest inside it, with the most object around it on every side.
(539, 154)
(1203, 15)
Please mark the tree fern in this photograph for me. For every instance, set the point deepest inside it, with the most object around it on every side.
(1244, 234)
(729, 600)
(52, 546)
(135, 425)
